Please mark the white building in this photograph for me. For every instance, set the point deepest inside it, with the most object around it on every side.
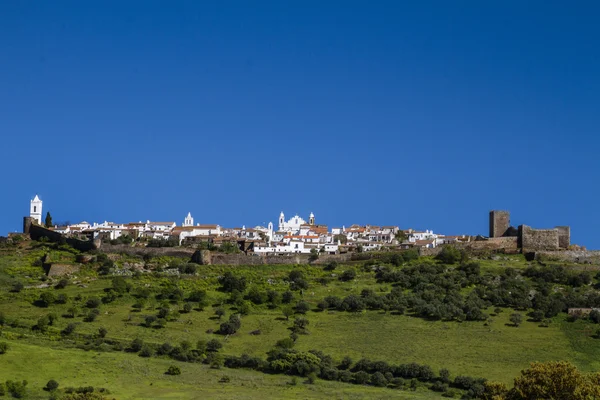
(293, 224)
(189, 220)
(35, 209)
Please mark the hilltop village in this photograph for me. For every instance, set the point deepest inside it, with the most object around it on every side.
(292, 236)
(297, 236)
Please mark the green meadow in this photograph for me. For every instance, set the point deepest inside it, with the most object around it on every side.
(493, 348)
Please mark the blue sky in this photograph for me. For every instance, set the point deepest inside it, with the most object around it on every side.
(420, 114)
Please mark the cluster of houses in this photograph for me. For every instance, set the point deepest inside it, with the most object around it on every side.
(295, 235)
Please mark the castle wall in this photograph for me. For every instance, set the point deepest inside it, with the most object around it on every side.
(574, 256)
(564, 236)
(36, 232)
(538, 239)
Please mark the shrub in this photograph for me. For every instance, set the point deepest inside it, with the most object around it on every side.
(302, 307)
(146, 351)
(331, 266)
(449, 255)
(69, 329)
(213, 345)
(348, 275)
(516, 319)
(229, 282)
(93, 302)
(3, 347)
(92, 315)
(361, 377)
(62, 299)
(377, 379)
(46, 299)
(311, 378)
(220, 312)
(51, 385)
(17, 287)
(173, 370)
(61, 284)
(300, 325)
(136, 345)
(287, 297)
(102, 332)
(216, 360)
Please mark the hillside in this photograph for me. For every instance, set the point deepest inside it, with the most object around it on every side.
(121, 321)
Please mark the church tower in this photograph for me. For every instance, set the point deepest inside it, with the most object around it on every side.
(189, 221)
(311, 219)
(281, 221)
(35, 210)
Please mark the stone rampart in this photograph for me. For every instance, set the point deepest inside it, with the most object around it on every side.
(37, 232)
(183, 252)
(573, 256)
(538, 239)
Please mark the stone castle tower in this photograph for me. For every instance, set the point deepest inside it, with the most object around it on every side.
(499, 223)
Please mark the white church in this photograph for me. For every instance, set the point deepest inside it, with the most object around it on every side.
(35, 209)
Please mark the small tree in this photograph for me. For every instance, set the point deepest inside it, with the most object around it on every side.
(51, 385)
(48, 220)
(102, 332)
(516, 319)
(302, 307)
(287, 312)
(348, 275)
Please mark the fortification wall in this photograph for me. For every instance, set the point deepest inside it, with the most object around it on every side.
(183, 252)
(495, 245)
(564, 236)
(573, 256)
(37, 232)
(538, 239)
(214, 258)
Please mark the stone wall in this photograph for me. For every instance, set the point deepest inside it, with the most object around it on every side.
(495, 245)
(564, 236)
(183, 252)
(499, 223)
(538, 239)
(573, 256)
(37, 232)
(215, 258)
(61, 269)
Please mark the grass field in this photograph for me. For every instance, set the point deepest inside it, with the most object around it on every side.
(493, 349)
(132, 377)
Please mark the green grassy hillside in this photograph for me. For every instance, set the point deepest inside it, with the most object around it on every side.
(491, 347)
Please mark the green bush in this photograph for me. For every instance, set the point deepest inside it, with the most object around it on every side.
(3, 347)
(173, 370)
(51, 385)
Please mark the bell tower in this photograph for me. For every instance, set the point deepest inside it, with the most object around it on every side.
(311, 219)
(281, 221)
(35, 210)
(188, 221)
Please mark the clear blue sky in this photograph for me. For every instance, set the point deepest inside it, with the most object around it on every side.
(423, 114)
